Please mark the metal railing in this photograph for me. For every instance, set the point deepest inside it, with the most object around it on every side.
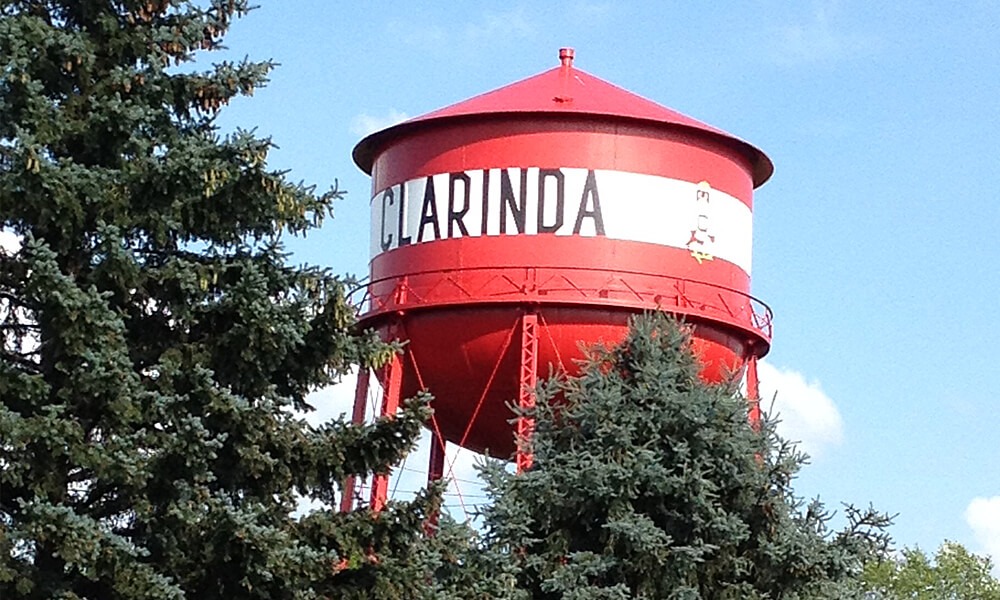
(452, 287)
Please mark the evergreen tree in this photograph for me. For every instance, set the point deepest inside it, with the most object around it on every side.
(649, 483)
(155, 339)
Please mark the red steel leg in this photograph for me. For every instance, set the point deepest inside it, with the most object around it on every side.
(528, 380)
(435, 472)
(390, 404)
(435, 468)
(753, 393)
(358, 418)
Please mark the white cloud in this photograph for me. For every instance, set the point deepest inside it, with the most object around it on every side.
(983, 516)
(365, 123)
(817, 39)
(9, 241)
(806, 413)
(485, 30)
(512, 24)
(332, 401)
(425, 36)
(586, 12)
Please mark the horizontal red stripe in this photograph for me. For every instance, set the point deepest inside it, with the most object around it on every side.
(580, 143)
(555, 252)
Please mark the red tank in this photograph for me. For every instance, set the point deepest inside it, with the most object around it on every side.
(512, 228)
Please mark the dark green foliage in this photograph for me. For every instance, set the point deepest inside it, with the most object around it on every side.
(154, 338)
(649, 483)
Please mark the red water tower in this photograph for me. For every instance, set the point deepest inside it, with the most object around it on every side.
(512, 227)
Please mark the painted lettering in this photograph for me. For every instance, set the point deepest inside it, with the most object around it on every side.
(517, 211)
(428, 213)
(455, 216)
(484, 222)
(591, 197)
(560, 182)
(386, 240)
(404, 240)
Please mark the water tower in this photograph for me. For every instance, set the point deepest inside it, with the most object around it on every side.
(511, 227)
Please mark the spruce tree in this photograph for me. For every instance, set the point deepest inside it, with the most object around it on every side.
(649, 483)
(156, 340)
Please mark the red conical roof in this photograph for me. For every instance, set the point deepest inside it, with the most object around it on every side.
(564, 90)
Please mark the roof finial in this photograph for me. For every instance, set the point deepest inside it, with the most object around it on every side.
(566, 56)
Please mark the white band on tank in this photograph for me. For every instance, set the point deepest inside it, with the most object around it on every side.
(708, 223)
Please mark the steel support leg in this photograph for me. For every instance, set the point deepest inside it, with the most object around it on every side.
(753, 393)
(435, 467)
(528, 380)
(390, 404)
(435, 472)
(358, 418)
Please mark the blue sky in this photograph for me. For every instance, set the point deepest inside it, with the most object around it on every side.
(876, 240)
